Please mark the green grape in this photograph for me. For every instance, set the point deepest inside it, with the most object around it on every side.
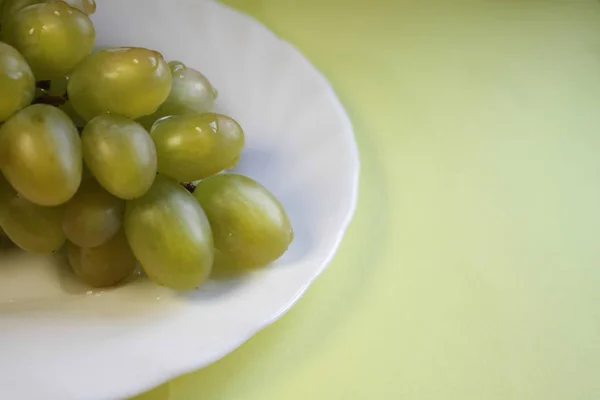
(120, 154)
(11, 7)
(85, 6)
(105, 265)
(68, 109)
(131, 82)
(92, 216)
(194, 146)
(190, 93)
(170, 236)
(40, 154)
(6, 193)
(52, 36)
(17, 84)
(33, 228)
(58, 87)
(250, 227)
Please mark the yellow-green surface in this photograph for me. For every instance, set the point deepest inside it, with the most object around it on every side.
(472, 267)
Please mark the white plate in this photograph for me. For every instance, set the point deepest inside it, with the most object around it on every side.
(57, 342)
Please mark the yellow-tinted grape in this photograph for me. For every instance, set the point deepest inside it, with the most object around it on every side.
(120, 154)
(11, 7)
(131, 82)
(6, 193)
(40, 154)
(17, 84)
(105, 265)
(250, 227)
(52, 36)
(33, 228)
(190, 93)
(170, 236)
(68, 109)
(58, 87)
(92, 216)
(194, 146)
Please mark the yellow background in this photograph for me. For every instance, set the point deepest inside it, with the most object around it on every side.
(472, 267)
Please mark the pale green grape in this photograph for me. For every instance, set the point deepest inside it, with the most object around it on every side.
(190, 93)
(52, 36)
(40, 154)
(58, 87)
(105, 265)
(194, 146)
(68, 109)
(11, 7)
(17, 84)
(170, 236)
(120, 154)
(33, 228)
(6, 193)
(131, 82)
(85, 6)
(250, 227)
(92, 216)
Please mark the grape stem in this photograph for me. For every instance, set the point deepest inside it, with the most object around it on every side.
(189, 186)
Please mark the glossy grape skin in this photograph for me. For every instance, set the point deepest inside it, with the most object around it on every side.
(250, 227)
(191, 92)
(11, 7)
(132, 82)
(105, 265)
(120, 155)
(52, 36)
(92, 216)
(195, 146)
(17, 84)
(33, 228)
(40, 154)
(170, 236)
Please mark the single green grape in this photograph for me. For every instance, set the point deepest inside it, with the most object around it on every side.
(131, 82)
(190, 93)
(92, 216)
(120, 155)
(17, 84)
(40, 154)
(52, 36)
(170, 235)
(33, 228)
(11, 7)
(250, 227)
(105, 265)
(87, 7)
(195, 146)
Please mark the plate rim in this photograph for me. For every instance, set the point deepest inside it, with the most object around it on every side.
(352, 206)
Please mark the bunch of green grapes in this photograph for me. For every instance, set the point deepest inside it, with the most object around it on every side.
(115, 157)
